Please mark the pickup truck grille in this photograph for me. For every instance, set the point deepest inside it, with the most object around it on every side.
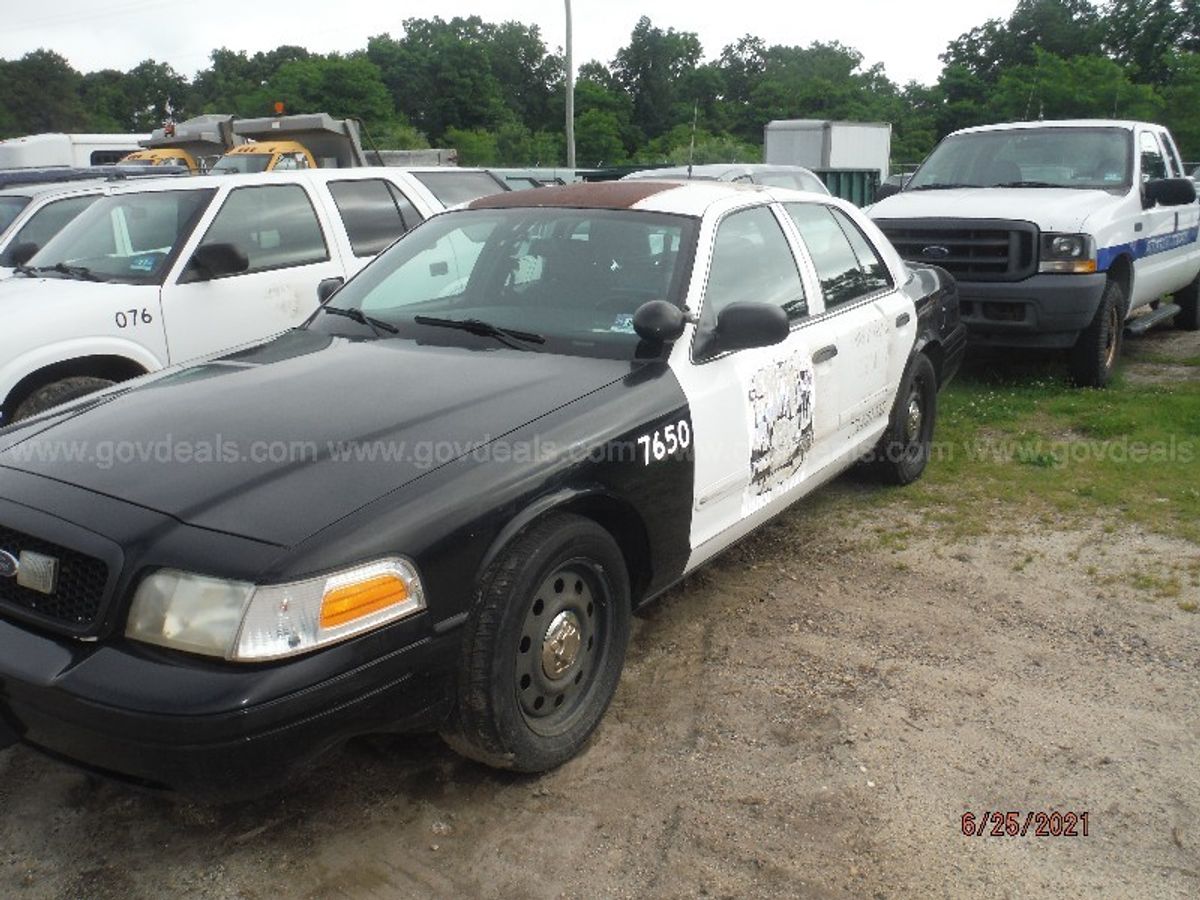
(78, 594)
(970, 249)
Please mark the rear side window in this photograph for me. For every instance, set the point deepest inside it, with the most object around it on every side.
(846, 263)
(453, 187)
(46, 223)
(375, 213)
(275, 226)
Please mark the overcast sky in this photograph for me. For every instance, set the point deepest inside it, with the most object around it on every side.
(906, 38)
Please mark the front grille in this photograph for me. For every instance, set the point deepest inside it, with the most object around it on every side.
(78, 594)
(970, 249)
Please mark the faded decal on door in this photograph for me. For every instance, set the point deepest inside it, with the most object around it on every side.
(780, 404)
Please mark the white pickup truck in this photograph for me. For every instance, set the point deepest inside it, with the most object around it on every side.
(1056, 232)
(169, 269)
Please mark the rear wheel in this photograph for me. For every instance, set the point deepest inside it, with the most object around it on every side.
(544, 647)
(903, 452)
(1188, 300)
(1095, 354)
(57, 393)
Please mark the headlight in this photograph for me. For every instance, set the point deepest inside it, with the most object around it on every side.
(243, 622)
(1068, 253)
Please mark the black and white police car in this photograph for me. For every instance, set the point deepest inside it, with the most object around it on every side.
(436, 504)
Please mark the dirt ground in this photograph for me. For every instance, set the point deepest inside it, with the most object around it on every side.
(809, 716)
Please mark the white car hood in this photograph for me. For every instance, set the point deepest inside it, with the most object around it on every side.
(39, 298)
(1051, 209)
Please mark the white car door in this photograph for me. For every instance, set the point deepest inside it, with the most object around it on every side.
(856, 339)
(752, 410)
(288, 252)
(1164, 240)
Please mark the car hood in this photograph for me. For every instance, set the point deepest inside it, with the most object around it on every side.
(1052, 209)
(277, 441)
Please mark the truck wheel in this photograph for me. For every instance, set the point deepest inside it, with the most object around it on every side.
(903, 452)
(59, 392)
(1188, 300)
(544, 647)
(1094, 356)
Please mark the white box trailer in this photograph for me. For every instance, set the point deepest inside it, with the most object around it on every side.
(823, 144)
(37, 151)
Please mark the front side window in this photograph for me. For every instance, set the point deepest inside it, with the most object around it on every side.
(846, 263)
(575, 277)
(130, 238)
(10, 208)
(275, 226)
(1153, 164)
(46, 223)
(371, 213)
(752, 262)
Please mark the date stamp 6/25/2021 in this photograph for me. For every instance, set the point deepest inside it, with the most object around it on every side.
(1034, 823)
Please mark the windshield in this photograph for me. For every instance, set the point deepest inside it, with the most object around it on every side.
(1084, 158)
(9, 208)
(128, 238)
(574, 277)
(243, 163)
(453, 188)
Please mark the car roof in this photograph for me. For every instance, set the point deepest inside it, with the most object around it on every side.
(1054, 123)
(35, 191)
(689, 198)
(289, 176)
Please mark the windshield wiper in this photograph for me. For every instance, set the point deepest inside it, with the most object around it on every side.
(481, 328)
(1033, 184)
(938, 186)
(357, 315)
(80, 273)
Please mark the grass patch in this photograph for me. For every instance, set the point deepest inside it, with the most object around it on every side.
(1028, 440)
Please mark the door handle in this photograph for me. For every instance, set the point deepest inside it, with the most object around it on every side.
(825, 354)
(902, 320)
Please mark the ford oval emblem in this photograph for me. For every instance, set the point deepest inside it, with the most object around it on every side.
(9, 565)
(935, 251)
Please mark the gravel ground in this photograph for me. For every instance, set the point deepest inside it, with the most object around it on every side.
(809, 716)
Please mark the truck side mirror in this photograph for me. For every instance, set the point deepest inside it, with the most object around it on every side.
(22, 253)
(216, 260)
(886, 190)
(328, 287)
(1168, 192)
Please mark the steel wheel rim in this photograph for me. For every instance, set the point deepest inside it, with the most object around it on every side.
(565, 636)
(915, 418)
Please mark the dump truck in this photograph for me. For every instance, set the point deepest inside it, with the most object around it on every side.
(196, 143)
(309, 141)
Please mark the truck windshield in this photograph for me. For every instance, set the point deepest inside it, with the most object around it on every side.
(10, 207)
(1057, 157)
(242, 163)
(572, 278)
(128, 238)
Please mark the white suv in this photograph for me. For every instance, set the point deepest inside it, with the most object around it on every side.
(170, 269)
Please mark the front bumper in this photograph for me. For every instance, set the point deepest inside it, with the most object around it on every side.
(1041, 311)
(213, 730)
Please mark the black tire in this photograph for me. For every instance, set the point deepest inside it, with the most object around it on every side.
(515, 707)
(1095, 354)
(59, 392)
(1188, 300)
(903, 452)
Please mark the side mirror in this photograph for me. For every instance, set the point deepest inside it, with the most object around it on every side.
(886, 190)
(659, 321)
(216, 260)
(328, 287)
(22, 253)
(743, 326)
(1169, 192)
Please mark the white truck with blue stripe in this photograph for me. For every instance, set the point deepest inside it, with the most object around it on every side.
(1057, 232)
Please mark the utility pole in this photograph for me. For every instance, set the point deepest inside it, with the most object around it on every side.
(570, 96)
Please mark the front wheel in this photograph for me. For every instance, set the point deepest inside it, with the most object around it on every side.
(544, 647)
(59, 392)
(903, 452)
(1094, 356)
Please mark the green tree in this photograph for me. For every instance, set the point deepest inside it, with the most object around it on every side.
(40, 92)
(651, 68)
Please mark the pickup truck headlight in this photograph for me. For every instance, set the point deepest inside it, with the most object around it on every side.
(244, 622)
(1073, 253)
